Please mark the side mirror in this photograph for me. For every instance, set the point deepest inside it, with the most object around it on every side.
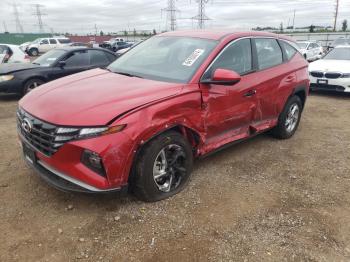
(61, 64)
(223, 77)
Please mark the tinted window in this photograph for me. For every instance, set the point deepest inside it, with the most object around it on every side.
(290, 51)
(236, 57)
(79, 58)
(269, 53)
(110, 57)
(44, 42)
(98, 57)
(4, 49)
(64, 41)
(53, 41)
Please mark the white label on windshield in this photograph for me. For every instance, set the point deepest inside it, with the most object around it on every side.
(193, 57)
(51, 59)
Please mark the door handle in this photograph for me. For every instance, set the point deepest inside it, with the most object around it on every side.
(250, 93)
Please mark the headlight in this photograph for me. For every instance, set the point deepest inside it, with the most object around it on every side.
(4, 78)
(82, 133)
(346, 75)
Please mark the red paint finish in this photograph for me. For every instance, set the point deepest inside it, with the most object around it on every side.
(209, 115)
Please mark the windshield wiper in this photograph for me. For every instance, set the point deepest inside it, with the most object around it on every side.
(35, 63)
(127, 74)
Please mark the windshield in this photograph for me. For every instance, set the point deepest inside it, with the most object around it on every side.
(36, 41)
(171, 59)
(49, 58)
(338, 54)
(302, 45)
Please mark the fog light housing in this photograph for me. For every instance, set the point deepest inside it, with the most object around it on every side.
(93, 161)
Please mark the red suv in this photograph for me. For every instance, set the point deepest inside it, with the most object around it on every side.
(140, 122)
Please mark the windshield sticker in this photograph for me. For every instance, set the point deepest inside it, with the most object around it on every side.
(193, 57)
(51, 58)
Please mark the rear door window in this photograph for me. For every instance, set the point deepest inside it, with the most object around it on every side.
(53, 41)
(78, 58)
(269, 52)
(98, 57)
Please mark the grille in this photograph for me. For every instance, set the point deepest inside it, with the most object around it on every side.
(317, 74)
(43, 136)
(327, 87)
(333, 75)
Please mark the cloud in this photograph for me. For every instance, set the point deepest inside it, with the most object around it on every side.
(80, 16)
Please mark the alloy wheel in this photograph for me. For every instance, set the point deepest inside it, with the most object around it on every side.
(292, 117)
(169, 167)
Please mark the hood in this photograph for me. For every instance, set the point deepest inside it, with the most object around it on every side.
(93, 97)
(12, 68)
(326, 65)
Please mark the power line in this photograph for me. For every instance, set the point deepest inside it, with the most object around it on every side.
(19, 27)
(201, 17)
(39, 15)
(336, 15)
(171, 15)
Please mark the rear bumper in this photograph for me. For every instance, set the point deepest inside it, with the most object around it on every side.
(66, 183)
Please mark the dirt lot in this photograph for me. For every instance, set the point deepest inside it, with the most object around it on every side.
(262, 200)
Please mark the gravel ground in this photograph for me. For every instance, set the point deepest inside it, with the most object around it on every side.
(261, 200)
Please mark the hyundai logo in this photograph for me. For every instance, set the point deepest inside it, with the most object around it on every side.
(27, 125)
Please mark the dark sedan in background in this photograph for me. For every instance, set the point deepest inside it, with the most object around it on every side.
(57, 63)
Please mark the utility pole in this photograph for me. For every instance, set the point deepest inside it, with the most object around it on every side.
(336, 15)
(294, 20)
(39, 15)
(5, 26)
(95, 30)
(19, 27)
(201, 17)
(171, 15)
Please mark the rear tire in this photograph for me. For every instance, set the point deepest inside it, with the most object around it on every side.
(31, 84)
(289, 119)
(163, 167)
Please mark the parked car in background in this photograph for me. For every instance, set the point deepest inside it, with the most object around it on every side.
(114, 39)
(332, 72)
(338, 42)
(78, 44)
(310, 50)
(106, 45)
(176, 96)
(24, 46)
(57, 63)
(120, 45)
(42, 45)
(12, 54)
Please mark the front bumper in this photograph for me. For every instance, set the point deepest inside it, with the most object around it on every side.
(338, 84)
(11, 86)
(66, 183)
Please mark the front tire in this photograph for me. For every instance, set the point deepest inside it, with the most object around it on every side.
(289, 119)
(163, 167)
(31, 84)
(33, 52)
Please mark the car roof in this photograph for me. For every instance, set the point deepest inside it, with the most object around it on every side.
(220, 34)
(81, 48)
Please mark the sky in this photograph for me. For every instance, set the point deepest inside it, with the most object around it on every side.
(81, 16)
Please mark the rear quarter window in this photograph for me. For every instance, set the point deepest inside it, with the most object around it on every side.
(290, 50)
(269, 52)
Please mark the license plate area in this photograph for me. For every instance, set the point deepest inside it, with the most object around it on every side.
(322, 81)
(29, 153)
